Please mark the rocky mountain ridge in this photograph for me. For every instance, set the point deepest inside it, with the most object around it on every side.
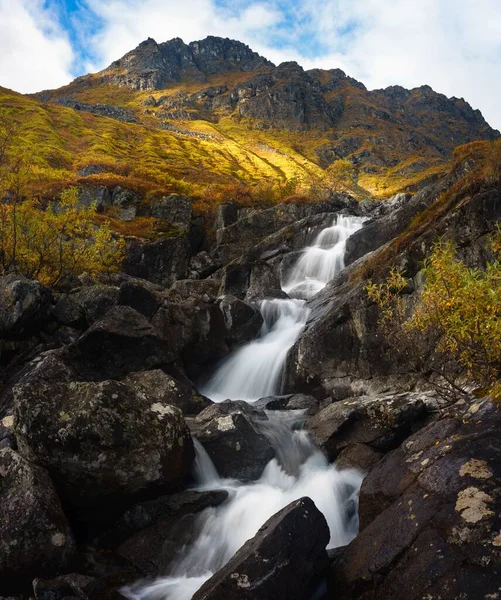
(392, 134)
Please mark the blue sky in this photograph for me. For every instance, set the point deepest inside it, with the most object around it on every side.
(452, 45)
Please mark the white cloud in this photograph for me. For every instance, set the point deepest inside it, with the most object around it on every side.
(452, 45)
(35, 52)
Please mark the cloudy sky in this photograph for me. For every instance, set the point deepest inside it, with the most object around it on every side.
(452, 45)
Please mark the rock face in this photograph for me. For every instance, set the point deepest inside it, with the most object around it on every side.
(161, 261)
(277, 562)
(233, 441)
(242, 321)
(102, 443)
(430, 516)
(153, 66)
(35, 538)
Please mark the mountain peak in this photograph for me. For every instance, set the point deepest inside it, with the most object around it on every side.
(154, 66)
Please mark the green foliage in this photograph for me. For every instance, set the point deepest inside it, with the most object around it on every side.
(458, 305)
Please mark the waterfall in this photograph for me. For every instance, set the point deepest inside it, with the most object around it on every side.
(256, 370)
(224, 529)
(299, 469)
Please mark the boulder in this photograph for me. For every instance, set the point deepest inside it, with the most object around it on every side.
(170, 524)
(160, 261)
(122, 342)
(242, 320)
(233, 441)
(24, 306)
(85, 306)
(139, 297)
(103, 443)
(381, 422)
(122, 197)
(35, 538)
(430, 515)
(278, 562)
(358, 456)
(160, 387)
(192, 327)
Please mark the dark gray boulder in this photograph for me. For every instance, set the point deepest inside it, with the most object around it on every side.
(24, 306)
(103, 443)
(35, 538)
(86, 305)
(122, 342)
(277, 562)
(234, 442)
(161, 387)
(174, 208)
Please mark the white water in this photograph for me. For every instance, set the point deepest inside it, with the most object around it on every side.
(256, 370)
(223, 530)
(300, 469)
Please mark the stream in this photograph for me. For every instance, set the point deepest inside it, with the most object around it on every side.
(252, 372)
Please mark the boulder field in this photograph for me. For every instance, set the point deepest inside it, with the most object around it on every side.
(100, 404)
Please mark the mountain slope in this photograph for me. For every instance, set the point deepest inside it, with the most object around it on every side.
(254, 119)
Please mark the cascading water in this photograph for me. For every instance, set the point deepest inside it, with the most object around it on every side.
(255, 370)
(299, 468)
(224, 529)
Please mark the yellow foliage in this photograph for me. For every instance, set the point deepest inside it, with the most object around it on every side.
(60, 241)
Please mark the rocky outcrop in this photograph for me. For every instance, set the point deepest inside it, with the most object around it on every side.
(381, 422)
(233, 441)
(35, 538)
(277, 562)
(160, 261)
(102, 443)
(429, 515)
(83, 307)
(242, 320)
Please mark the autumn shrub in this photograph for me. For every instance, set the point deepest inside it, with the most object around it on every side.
(458, 306)
(55, 242)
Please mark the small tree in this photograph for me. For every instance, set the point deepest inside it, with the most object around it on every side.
(458, 305)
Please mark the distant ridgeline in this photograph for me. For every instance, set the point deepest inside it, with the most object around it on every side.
(214, 118)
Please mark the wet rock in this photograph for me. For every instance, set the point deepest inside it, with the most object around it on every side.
(122, 342)
(242, 320)
(170, 524)
(160, 387)
(277, 562)
(381, 422)
(430, 515)
(85, 305)
(226, 215)
(64, 586)
(206, 289)
(231, 438)
(24, 306)
(358, 456)
(103, 443)
(35, 538)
